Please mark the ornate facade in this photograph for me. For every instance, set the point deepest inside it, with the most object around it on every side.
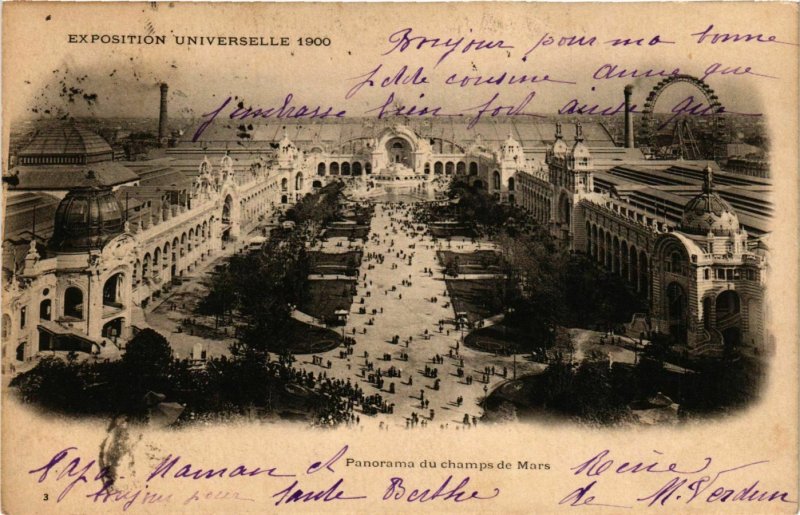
(121, 238)
(703, 273)
(400, 157)
(84, 287)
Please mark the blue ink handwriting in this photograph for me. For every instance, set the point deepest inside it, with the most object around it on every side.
(335, 492)
(287, 110)
(403, 40)
(398, 491)
(686, 482)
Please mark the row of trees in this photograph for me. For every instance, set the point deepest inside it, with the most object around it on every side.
(101, 387)
(318, 209)
(550, 287)
(473, 206)
(262, 288)
(545, 285)
(597, 392)
(147, 374)
(257, 289)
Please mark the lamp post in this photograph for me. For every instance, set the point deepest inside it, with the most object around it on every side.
(462, 320)
(515, 366)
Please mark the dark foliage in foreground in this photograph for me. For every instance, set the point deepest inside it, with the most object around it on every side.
(597, 393)
(224, 386)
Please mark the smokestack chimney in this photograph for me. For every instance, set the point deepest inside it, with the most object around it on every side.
(162, 117)
(628, 118)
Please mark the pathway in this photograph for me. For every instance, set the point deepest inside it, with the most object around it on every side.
(407, 313)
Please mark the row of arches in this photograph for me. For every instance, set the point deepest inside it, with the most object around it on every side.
(721, 314)
(542, 207)
(619, 257)
(299, 182)
(74, 309)
(71, 307)
(452, 167)
(348, 168)
(497, 181)
(73, 300)
(73, 303)
(357, 168)
(257, 201)
(536, 202)
(168, 260)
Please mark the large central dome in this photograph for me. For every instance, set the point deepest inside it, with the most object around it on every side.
(707, 212)
(86, 218)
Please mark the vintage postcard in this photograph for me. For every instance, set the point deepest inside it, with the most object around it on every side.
(389, 258)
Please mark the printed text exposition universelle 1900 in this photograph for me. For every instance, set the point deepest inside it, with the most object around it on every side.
(181, 40)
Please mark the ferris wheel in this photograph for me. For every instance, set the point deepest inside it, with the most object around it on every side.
(684, 144)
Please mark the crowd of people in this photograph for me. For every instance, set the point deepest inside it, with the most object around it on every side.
(393, 246)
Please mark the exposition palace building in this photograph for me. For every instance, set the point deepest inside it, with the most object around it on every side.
(89, 240)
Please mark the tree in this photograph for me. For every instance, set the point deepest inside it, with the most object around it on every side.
(594, 296)
(589, 392)
(146, 367)
(52, 383)
(533, 293)
(148, 353)
(721, 385)
(536, 316)
(222, 296)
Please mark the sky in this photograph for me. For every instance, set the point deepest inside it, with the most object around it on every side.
(52, 76)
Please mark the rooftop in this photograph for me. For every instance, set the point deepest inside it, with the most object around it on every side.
(65, 139)
(492, 131)
(68, 176)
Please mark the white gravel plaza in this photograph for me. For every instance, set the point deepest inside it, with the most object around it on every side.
(408, 312)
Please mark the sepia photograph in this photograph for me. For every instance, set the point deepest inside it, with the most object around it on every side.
(434, 229)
